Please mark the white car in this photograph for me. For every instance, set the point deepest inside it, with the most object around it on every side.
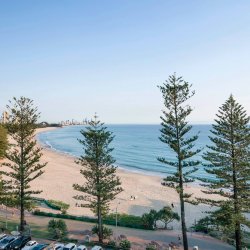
(55, 246)
(70, 246)
(29, 245)
(82, 247)
(96, 248)
(58, 246)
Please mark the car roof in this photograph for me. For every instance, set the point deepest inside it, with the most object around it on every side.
(81, 246)
(31, 241)
(41, 245)
(96, 247)
(9, 237)
(70, 245)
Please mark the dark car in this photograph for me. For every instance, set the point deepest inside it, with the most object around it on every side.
(39, 246)
(2, 236)
(19, 243)
(5, 243)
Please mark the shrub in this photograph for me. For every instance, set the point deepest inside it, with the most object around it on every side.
(167, 215)
(124, 220)
(57, 205)
(69, 240)
(65, 216)
(111, 244)
(107, 232)
(149, 219)
(125, 244)
(151, 247)
(57, 229)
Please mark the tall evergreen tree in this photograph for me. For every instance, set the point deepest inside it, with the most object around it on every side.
(174, 133)
(102, 185)
(24, 156)
(228, 159)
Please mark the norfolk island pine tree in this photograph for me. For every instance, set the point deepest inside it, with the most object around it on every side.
(174, 133)
(228, 159)
(23, 157)
(102, 185)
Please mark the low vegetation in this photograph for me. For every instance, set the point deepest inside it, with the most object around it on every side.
(147, 221)
(57, 229)
(125, 245)
(165, 215)
(219, 224)
(107, 232)
(57, 205)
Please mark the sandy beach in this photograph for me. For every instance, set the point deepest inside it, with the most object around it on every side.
(62, 172)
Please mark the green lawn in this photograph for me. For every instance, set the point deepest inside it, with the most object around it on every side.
(37, 231)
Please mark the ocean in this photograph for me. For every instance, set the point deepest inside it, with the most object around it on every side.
(136, 147)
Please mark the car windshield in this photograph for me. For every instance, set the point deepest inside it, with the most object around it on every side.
(65, 248)
(4, 241)
(18, 240)
(37, 247)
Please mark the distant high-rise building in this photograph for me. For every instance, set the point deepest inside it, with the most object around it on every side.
(5, 117)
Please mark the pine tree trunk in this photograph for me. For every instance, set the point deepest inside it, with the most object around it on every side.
(22, 188)
(238, 236)
(235, 196)
(183, 223)
(100, 233)
(21, 211)
(236, 212)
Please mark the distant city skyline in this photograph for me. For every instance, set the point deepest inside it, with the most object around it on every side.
(75, 58)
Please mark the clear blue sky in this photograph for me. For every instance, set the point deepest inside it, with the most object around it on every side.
(75, 58)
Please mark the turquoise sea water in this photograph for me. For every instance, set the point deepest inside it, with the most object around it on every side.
(136, 147)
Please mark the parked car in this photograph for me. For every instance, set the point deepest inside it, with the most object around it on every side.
(58, 246)
(30, 245)
(2, 236)
(6, 241)
(70, 246)
(39, 246)
(55, 246)
(82, 247)
(96, 248)
(19, 243)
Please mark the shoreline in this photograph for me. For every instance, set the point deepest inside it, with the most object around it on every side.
(62, 172)
(119, 167)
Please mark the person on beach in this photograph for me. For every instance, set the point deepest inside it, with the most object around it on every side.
(179, 239)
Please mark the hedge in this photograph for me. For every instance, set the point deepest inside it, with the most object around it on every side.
(124, 220)
(52, 205)
(56, 205)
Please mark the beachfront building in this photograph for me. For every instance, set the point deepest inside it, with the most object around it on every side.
(4, 117)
